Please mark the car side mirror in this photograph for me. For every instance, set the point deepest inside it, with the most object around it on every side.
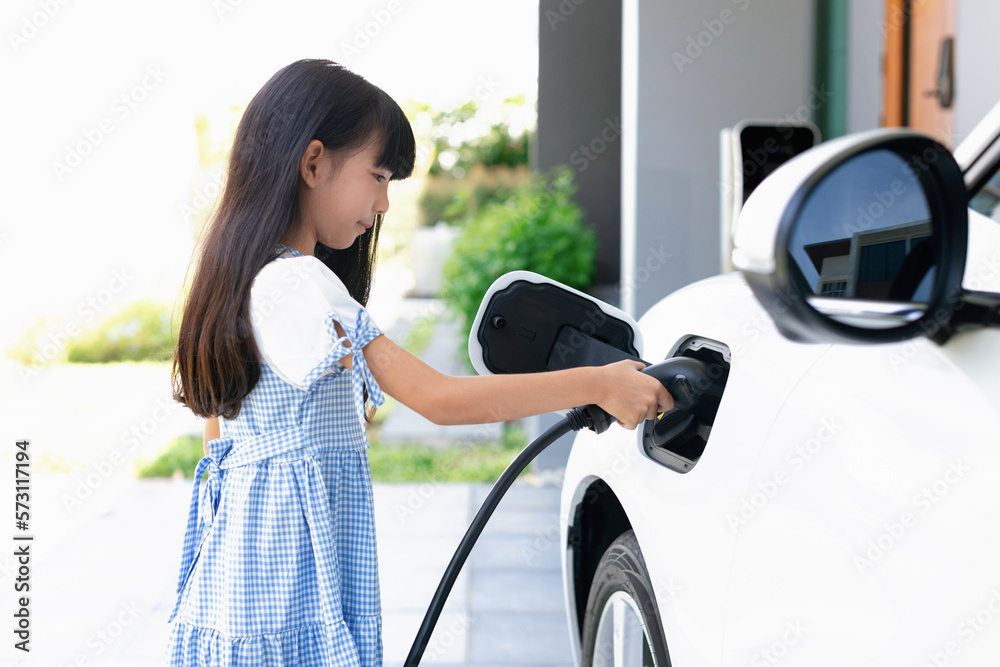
(861, 239)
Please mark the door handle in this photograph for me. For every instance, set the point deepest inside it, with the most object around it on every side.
(945, 91)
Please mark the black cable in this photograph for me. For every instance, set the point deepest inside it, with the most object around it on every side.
(572, 422)
(693, 390)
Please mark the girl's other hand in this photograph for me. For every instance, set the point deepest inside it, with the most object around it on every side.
(630, 395)
(211, 432)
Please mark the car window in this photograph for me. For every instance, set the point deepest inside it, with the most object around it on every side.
(987, 200)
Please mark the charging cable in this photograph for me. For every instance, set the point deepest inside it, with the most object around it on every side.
(685, 378)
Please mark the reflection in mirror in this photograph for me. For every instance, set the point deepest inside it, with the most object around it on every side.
(865, 233)
(867, 314)
(987, 200)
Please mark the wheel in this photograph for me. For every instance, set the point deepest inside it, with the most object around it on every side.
(621, 626)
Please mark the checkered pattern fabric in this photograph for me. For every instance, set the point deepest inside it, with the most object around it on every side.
(279, 563)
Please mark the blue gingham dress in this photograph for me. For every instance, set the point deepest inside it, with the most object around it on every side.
(279, 561)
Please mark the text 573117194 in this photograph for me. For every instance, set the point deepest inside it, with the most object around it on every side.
(22, 545)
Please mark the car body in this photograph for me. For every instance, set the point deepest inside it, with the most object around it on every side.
(842, 508)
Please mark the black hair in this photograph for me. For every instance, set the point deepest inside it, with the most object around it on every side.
(216, 362)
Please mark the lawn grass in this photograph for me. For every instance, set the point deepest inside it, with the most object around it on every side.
(478, 462)
(473, 462)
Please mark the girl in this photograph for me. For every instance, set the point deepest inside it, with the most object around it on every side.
(279, 561)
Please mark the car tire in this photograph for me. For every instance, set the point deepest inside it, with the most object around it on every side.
(621, 623)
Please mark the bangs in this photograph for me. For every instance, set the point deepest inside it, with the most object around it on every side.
(398, 145)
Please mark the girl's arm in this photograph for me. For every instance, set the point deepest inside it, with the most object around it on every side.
(619, 388)
(211, 431)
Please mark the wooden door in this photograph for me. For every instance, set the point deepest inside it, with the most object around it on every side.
(919, 62)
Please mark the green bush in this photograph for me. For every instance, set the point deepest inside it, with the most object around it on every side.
(466, 135)
(41, 342)
(475, 155)
(537, 228)
(141, 331)
(455, 200)
(181, 455)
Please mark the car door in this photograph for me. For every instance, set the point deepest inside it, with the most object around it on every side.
(881, 536)
(880, 543)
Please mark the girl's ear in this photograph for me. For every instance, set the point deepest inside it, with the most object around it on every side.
(309, 164)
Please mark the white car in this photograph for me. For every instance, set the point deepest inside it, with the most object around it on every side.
(843, 507)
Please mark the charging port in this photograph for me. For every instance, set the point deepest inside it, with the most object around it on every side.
(677, 439)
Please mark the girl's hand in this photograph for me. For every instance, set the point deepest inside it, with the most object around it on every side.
(630, 395)
(211, 432)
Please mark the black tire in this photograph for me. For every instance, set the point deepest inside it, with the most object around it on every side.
(622, 577)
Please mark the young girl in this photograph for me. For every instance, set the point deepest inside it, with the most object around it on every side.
(279, 560)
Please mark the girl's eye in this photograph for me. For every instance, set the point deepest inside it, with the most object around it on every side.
(379, 177)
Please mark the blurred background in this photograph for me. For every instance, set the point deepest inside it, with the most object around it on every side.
(118, 121)
(122, 121)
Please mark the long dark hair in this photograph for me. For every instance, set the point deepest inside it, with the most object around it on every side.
(216, 362)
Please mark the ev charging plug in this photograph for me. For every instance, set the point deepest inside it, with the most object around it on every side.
(685, 378)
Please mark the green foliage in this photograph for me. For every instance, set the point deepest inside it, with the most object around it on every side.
(476, 155)
(455, 200)
(418, 337)
(215, 132)
(462, 463)
(481, 462)
(41, 342)
(537, 228)
(464, 136)
(181, 455)
(141, 331)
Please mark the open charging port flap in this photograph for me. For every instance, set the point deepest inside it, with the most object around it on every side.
(528, 323)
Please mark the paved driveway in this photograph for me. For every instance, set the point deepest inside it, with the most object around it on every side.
(104, 572)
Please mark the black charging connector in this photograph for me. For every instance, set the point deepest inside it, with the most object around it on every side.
(690, 382)
(589, 416)
(686, 379)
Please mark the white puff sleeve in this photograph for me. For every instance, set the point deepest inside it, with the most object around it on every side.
(294, 302)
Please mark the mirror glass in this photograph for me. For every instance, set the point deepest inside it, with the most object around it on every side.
(863, 244)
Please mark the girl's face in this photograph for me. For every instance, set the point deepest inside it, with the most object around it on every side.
(340, 196)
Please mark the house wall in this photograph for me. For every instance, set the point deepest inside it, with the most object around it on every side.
(579, 113)
(977, 52)
(864, 65)
(689, 69)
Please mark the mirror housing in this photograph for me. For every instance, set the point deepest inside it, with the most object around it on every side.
(763, 237)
